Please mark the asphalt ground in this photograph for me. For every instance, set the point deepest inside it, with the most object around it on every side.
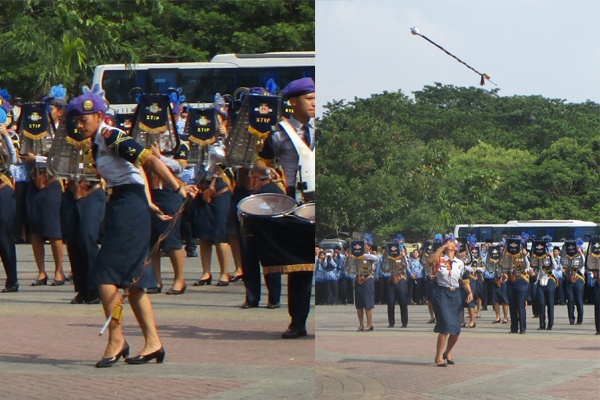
(215, 349)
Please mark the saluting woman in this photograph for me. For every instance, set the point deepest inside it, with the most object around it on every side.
(447, 300)
(118, 159)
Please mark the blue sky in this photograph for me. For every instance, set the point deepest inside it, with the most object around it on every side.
(528, 47)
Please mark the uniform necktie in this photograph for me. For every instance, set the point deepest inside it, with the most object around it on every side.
(306, 134)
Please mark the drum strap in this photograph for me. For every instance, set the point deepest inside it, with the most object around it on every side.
(305, 154)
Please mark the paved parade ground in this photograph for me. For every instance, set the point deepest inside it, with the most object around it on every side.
(215, 350)
(397, 363)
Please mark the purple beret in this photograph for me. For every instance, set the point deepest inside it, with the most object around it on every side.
(298, 87)
(89, 103)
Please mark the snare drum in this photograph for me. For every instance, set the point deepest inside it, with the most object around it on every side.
(306, 212)
(264, 204)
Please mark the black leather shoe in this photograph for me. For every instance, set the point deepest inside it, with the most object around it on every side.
(293, 333)
(57, 283)
(248, 304)
(154, 290)
(40, 282)
(158, 355)
(12, 289)
(273, 306)
(192, 254)
(109, 361)
(176, 292)
(79, 299)
(93, 300)
(222, 283)
(236, 278)
(203, 282)
(549, 328)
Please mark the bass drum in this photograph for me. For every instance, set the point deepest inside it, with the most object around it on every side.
(306, 212)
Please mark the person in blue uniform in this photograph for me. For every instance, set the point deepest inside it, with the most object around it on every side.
(574, 288)
(398, 293)
(447, 299)
(8, 207)
(121, 261)
(364, 288)
(43, 198)
(300, 94)
(546, 289)
(518, 288)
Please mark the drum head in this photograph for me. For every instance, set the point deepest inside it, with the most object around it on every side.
(306, 212)
(268, 204)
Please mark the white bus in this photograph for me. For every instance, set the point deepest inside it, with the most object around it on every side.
(201, 80)
(558, 230)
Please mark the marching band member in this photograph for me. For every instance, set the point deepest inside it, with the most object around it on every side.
(518, 288)
(547, 283)
(500, 297)
(44, 199)
(574, 288)
(447, 299)
(125, 246)
(211, 213)
(8, 207)
(170, 203)
(398, 292)
(82, 214)
(300, 94)
(364, 290)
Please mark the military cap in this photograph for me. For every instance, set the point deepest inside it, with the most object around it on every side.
(89, 103)
(297, 88)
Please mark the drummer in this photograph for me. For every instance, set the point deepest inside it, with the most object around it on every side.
(280, 145)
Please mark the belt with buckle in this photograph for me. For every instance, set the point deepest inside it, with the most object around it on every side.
(452, 289)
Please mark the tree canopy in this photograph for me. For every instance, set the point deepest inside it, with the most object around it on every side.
(391, 164)
(47, 42)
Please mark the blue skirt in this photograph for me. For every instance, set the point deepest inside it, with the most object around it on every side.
(447, 305)
(209, 220)
(126, 239)
(169, 202)
(364, 294)
(500, 294)
(43, 210)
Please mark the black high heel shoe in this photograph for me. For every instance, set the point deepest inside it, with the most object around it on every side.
(236, 278)
(109, 361)
(222, 283)
(176, 292)
(159, 355)
(40, 282)
(451, 362)
(203, 282)
(154, 290)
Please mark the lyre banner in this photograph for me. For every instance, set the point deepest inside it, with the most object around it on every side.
(513, 246)
(153, 113)
(33, 121)
(538, 248)
(393, 250)
(357, 248)
(494, 254)
(202, 126)
(571, 248)
(262, 114)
